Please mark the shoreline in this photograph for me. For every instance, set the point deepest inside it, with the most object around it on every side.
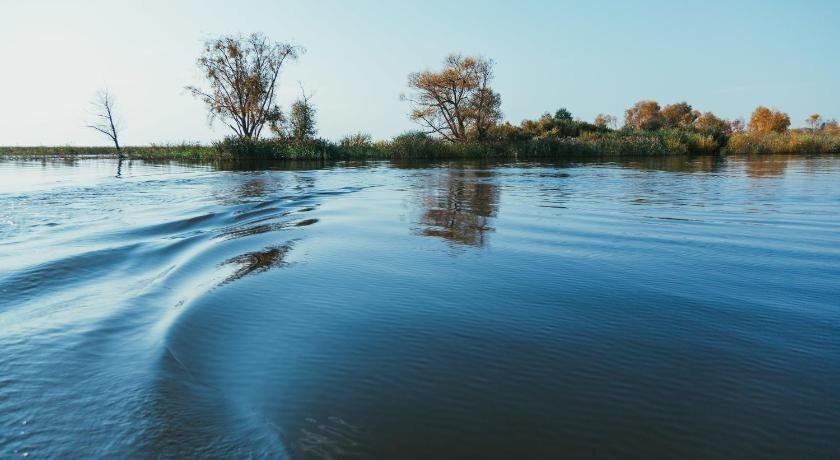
(551, 149)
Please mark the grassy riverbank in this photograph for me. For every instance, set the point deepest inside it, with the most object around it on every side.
(417, 146)
(796, 142)
(150, 152)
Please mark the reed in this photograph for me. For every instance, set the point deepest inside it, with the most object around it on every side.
(796, 142)
(419, 146)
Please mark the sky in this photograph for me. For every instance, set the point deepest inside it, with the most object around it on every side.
(590, 57)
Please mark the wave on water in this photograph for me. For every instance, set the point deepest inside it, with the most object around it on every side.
(105, 308)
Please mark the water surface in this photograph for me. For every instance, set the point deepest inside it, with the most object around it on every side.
(665, 307)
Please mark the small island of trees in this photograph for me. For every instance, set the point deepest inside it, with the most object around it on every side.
(458, 115)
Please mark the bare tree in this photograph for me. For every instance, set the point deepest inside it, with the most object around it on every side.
(242, 74)
(456, 103)
(106, 122)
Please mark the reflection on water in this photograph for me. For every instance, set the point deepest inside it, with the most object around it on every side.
(758, 167)
(252, 188)
(677, 163)
(680, 307)
(257, 261)
(459, 205)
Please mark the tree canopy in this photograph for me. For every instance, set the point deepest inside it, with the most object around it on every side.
(643, 115)
(456, 103)
(302, 119)
(679, 115)
(764, 120)
(814, 121)
(242, 73)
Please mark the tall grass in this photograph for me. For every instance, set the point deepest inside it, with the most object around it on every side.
(797, 142)
(419, 146)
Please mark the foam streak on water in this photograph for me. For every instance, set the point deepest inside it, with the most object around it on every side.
(667, 307)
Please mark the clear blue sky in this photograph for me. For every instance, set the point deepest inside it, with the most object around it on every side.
(591, 57)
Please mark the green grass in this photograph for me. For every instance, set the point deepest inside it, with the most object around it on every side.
(152, 152)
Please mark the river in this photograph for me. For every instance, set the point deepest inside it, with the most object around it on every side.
(675, 306)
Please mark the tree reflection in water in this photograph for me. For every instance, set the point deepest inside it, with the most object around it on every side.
(761, 166)
(459, 204)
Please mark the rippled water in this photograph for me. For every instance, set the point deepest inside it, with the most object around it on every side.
(669, 307)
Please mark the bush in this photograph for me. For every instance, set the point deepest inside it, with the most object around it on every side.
(240, 147)
(356, 141)
(415, 144)
(276, 148)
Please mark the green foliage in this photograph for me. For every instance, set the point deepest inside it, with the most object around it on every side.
(356, 141)
(563, 114)
(550, 136)
(624, 143)
(415, 144)
(560, 125)
(192, 151)
(663, 141)
(685, 141)
(276, 148)
(302, 121)
(355, 145)
(238, 147)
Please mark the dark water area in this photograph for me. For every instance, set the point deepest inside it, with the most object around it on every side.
(662, 307)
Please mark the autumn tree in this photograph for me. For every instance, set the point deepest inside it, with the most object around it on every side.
(710, 123)
(644, 115)
(604, 121)
(457, 102)
(814, 121)
(679, 115)
(764, 120)
(105, 120)
(242, 74)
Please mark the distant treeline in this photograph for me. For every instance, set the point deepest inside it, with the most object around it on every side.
(459, 116)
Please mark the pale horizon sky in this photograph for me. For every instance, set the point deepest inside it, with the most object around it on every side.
(725, 57)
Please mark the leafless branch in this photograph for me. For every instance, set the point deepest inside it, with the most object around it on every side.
(107, 124)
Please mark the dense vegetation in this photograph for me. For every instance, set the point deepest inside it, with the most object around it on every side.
(418, 145)
(458, 114)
